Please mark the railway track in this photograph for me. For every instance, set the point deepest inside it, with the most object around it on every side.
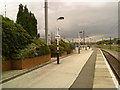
(114, 64)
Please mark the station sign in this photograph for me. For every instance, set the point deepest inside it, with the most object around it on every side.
(57, 36)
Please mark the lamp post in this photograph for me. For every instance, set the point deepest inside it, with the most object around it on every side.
(46, 21)
(84, 37)
(79, 42)
(83, 32)
(79, 34)
(110, 43)
(58, 36)
(87, 42)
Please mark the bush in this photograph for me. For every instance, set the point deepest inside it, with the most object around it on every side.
(42, 48)
(18, 44)
(64, 46)
(37, 48)
(53, 48)
(68, 47)
(28, 52)
(14, 38)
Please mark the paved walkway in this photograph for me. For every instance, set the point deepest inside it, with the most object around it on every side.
(53, 75)
(65, 74)
(8, 75)
(104, 77)
(86, 76)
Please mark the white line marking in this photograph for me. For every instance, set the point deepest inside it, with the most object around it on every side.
(111, 72)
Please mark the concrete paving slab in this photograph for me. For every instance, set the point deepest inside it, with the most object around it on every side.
(100, 62)
(53, 75)
(100, 66)
(101, 82)
(86, 76)
(100, 59)
(8, 75)
(101, 70)
(102, 74)
(99, 55)
(103, 78)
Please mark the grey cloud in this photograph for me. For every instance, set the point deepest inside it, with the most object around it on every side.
(101, 20)
(94, 18)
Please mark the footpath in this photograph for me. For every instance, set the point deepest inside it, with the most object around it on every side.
(8, 75)
(71, 70)
(52, 75)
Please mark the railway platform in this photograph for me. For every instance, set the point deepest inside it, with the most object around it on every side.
(103, 75)
(89, 69)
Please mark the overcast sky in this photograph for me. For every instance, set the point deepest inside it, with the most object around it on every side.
(99, 18)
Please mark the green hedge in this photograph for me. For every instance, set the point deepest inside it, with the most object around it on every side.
(63, 46)
(68, 47)
(37, 48)
(53, 48)
(18, 44)
(14, 37)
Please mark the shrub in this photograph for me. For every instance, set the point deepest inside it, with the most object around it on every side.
(64, 46)
(14, 38)
(42, 48)
(37, 48)
(53, 48)
(68, 47)
(18, 44)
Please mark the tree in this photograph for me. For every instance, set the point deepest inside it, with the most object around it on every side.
(20, 12)
(27, 20)
(26, 9)
(14, 38)
(18, 44)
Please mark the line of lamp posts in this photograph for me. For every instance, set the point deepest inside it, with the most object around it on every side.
(84, 44)
(58, 37)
